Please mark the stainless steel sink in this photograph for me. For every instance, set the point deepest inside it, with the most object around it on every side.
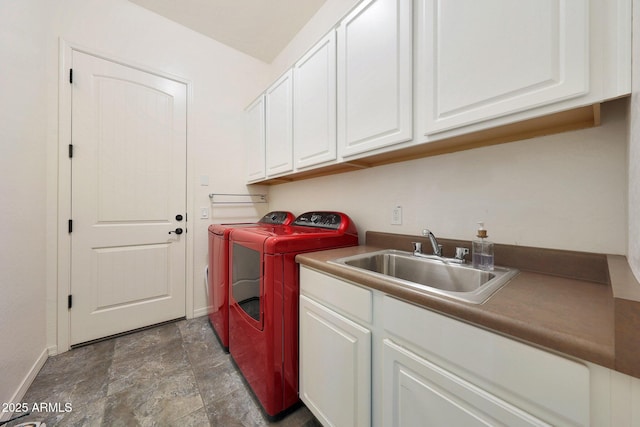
(430, 275)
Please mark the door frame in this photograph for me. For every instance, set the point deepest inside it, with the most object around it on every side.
(62, 315)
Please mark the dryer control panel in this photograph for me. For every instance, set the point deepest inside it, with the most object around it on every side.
(330, 220)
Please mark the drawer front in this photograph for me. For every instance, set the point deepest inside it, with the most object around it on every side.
(338, 294)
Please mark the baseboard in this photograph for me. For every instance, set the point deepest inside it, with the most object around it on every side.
(53, 350)
(27, 381)
(200, 312)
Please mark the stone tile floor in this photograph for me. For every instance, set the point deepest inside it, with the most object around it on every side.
(172, 375)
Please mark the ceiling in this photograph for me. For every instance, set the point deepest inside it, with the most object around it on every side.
(260, 28)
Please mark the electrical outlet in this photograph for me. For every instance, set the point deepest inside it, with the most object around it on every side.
(396, 215)
(204, 213)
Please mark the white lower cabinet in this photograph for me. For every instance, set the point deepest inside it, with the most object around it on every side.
(367, 358)
(335, 352)
(335, 361)
(419, 393)
(464, 375)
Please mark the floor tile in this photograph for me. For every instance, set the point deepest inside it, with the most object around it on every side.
(236, 409)
(167, 398)
(75, 384)
(146, 360)
(200, 342)
(172, 375)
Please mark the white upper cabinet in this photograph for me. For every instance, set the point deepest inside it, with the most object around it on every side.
(481, 61)
(254, 140)
(314, 105)
(399, 74)
(375, 76)
(279, 126)
(492, 57)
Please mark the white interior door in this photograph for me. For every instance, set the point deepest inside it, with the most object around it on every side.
(128, 192)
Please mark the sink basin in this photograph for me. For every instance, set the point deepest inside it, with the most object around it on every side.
(435, 276)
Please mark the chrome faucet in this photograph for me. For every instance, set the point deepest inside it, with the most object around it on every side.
(437, 250)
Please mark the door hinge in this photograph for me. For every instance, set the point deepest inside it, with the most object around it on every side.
(69, 301)
(70, 151)
(70, 225)
(70, 75)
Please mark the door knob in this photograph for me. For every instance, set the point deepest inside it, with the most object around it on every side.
(177, 231)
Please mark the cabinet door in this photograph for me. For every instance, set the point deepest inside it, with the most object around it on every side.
(375, 76)
(279, 125)
(314, 105)
(485, 59)
(254, 140)
(419, 393)
(545, 385)
(335, 366)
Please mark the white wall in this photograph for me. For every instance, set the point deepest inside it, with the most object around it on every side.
(566, 191)
(222, 81)
(22, 191)
(570, 190)
(634, 150)
(327, 16)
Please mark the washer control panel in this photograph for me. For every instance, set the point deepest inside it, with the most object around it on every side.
(277, 217)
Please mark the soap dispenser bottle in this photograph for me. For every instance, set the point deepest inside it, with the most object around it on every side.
(482, 250)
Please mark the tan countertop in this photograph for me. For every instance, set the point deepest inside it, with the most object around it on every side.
(576, 317)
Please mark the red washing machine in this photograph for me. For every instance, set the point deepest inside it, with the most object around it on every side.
(263, 305)
(218, 274)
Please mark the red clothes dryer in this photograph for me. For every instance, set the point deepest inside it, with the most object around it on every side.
(263, 301)
(218, 274)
